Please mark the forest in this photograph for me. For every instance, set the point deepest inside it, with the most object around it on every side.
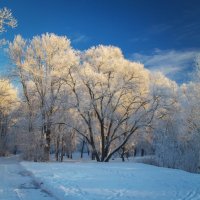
(57, 100)
(67, 100)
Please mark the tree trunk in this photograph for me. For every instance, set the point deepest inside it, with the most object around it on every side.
(82, 148)
(62, 150)
(47, 145)
(122, 154)
(94, 155)
(57, 148)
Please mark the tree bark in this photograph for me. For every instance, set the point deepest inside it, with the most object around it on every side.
(47, 145)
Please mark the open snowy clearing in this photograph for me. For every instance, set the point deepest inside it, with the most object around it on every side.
(94, 181)
(114, 181)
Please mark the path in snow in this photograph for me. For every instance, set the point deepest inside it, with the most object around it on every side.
(17, 184)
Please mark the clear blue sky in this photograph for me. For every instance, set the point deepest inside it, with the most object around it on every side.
(163, 34)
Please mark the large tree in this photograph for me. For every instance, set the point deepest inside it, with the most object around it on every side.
(40, 65)
(111, 98)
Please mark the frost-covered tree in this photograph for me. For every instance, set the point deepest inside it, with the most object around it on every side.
(190, 98)
(8, 94)
(164, 135)
(176, 129)
(8, 103)
(6, 19)
(190, 112)
(40, 65)
(111, 99)
(103, 99)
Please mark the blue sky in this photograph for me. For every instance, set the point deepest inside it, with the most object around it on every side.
(164, 35)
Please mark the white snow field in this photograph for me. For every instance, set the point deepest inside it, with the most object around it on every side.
(17, 184)
(114, 181)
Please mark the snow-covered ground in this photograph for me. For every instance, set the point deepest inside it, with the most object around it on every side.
(114, 181)
(94, 181)
(18, 184)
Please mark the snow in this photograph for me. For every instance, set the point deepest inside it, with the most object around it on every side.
(114, 181)
(18, 184)
(94, 181)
